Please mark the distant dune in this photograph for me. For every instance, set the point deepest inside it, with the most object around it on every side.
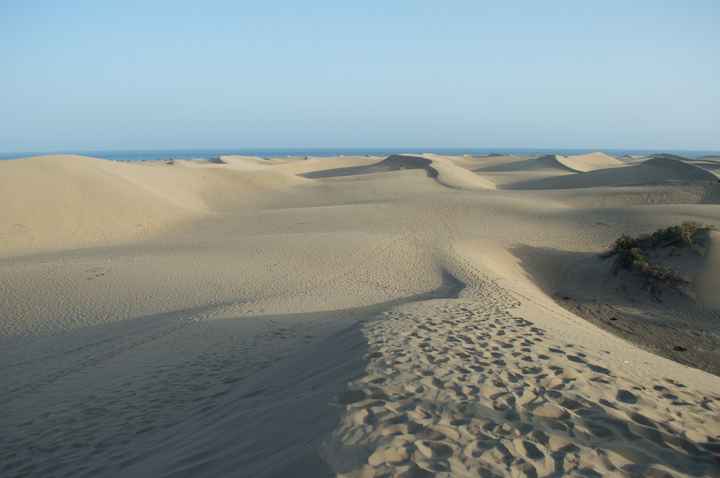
(651, 171)
(588, 162)
(437, 167)
(394, 162)
(579, 163)
(58, 202)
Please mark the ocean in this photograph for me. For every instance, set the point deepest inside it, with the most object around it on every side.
(165, 154)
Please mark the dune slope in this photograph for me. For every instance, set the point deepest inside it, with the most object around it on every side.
(60, 202)
(583, 163)
(346, 316)
(652, 171)
(69, 201)
(437, 167)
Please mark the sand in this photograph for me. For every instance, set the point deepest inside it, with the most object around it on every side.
(347, 316)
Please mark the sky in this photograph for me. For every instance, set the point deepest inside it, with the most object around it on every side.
(126, 74)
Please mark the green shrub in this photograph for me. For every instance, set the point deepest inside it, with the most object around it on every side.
(683, 235)
(633, 254)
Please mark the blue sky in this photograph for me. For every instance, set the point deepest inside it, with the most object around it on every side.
(177, 74)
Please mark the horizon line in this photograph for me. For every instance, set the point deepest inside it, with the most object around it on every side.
(337, 148)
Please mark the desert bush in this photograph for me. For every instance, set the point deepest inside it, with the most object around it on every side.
(633, 254)
(684, 235)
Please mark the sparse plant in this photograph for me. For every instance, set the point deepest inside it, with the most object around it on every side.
(633, 254)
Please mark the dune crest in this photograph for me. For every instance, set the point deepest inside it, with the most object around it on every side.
(649, 172)
(66, 201)
(497, 386)
(443, 170)
(583, 163)
(55, 202)
(575, 164)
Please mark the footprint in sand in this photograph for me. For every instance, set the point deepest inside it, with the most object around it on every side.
(480, 397)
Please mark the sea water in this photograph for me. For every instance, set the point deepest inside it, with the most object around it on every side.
(167, 154)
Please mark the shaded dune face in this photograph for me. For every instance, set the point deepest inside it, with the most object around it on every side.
(404, 162)
(679, 170)
(578, 163)
(652, 171)
(394, 162)
(442, 169)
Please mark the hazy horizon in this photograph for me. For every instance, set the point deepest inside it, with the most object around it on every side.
(177, 75)
(330, 152)
(341, 148)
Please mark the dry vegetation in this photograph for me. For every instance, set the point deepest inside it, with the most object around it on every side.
(635, 254)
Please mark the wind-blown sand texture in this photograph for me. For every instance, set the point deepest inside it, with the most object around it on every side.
(349, 316)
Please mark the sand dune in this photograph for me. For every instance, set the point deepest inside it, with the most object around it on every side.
(652, 171)
(588, 162)
(455, 388)
(644, 195)
(439, 168)
(60, 202)
(575, 164)
(712, 165)
(71, 201)
(499, 386)
(506, 171)
(706, 280)
(511, 164)
(349, 316)
(394, 162)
